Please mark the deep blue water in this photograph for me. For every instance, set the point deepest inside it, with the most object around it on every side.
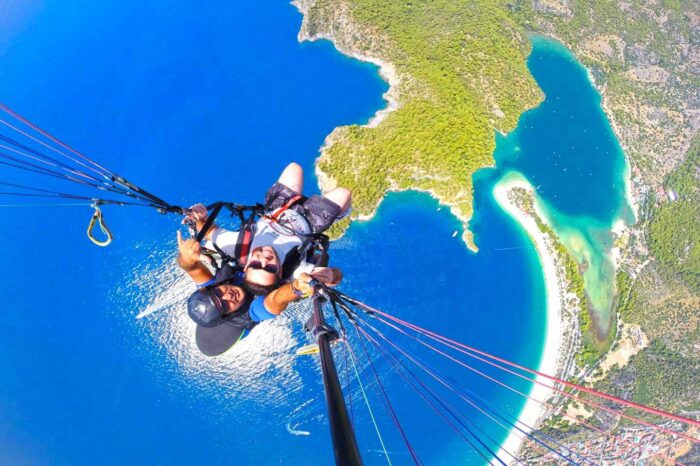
(565, 146)
(207, 103)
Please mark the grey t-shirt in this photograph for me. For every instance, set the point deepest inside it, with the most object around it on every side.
(283, 235)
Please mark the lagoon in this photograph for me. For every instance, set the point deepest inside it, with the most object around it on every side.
(568, 151)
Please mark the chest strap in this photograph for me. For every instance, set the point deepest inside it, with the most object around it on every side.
(245, 239)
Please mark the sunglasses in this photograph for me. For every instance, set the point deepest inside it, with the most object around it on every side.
(218, 300)
(272, 268)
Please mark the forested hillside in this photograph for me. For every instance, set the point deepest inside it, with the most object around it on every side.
(460, 75)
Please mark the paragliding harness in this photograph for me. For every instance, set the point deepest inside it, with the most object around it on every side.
(314, 247)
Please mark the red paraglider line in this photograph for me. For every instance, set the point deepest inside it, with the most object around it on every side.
(606, 396)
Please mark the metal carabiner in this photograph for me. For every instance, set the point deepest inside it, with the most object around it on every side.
(98, 219)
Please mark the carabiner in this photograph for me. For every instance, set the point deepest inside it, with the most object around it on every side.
(97, 218)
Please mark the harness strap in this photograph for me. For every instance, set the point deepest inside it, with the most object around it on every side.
(247, 233)
(224, 257)
(210, 221)
(276, 215)
(247, 230)
(294, 258)
(245, 237)
(99, 220)
(212, 257)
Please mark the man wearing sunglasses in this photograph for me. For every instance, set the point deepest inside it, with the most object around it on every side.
(225, 311)
(290, 218)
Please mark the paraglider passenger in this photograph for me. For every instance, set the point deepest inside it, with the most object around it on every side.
(289, 218)
(216, 303)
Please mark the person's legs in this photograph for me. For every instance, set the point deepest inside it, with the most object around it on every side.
(341, 197)
(289, 184)
(292, 177)
(322, 211)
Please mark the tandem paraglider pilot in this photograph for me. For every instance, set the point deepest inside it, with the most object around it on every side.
(269, 262)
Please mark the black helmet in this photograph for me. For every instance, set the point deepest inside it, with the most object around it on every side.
(201, 308)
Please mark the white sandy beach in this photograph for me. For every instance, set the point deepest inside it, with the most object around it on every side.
(533, 412)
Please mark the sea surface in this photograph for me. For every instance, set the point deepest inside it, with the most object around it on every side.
(568, 151)
(209, 102)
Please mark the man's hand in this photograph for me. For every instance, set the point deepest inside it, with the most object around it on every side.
(189, 260)
(278, 300)
(302, 284)
(327, 275)
(196, 215)
(189, 252)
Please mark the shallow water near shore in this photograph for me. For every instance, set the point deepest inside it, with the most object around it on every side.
(205, 105)
(567, 150)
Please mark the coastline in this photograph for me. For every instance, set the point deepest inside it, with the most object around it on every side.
(326, 183)
(557, 351)
(388, 73)
(631, 189)
(562, 336)
(386, 70)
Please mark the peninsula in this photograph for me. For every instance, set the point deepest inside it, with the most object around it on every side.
(457, 74)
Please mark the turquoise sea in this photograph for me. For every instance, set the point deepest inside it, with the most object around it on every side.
(209, 102)
(568, 151)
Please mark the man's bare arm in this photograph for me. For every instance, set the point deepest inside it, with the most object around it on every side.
(278, 300)
(189, 260)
